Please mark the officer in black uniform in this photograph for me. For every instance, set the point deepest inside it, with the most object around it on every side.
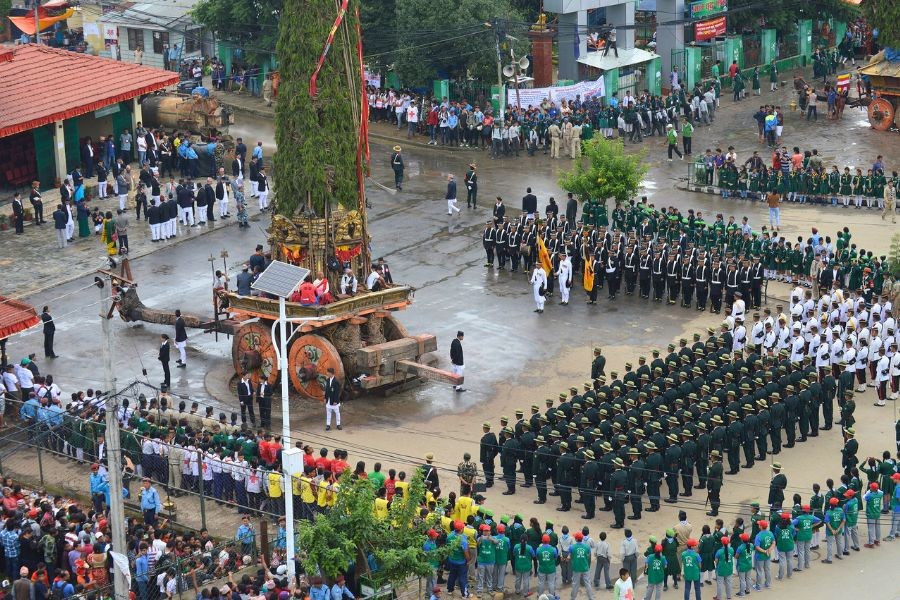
(618, 483)
(488, 450)
(542, 457)
(654, 475)
(636, 483)
(590, 474)
(566, 476)
(714, 479)
(672, 466)
(509, 460)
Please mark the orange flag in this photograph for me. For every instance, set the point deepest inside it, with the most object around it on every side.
(544, 256)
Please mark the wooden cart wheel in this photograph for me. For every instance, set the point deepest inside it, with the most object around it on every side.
(881, 114)
(394, 329)
(252, 350)
(309, 358)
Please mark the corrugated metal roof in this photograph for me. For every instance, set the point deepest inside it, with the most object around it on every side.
(146, 15)
(42, 85)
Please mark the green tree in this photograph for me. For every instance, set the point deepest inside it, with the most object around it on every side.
(316, 136)
(5, 5)
(886, 17)
(457, 41)
(744, 14)
(252, 26)
(350, 532)
(610, 172)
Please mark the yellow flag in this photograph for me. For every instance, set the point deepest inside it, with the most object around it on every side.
(544, 256)
(588, 275)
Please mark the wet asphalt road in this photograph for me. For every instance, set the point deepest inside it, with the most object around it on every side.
(505, 341)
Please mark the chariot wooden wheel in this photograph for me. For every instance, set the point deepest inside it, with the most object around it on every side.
(394, 329)
(881, 114)
(309, 358)
(253, 351)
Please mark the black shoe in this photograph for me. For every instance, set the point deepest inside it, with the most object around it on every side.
(670, 500)
(653, 509)
(616, 526)
(634, 518)
(508, 493)
(181, 366)
(327, 427)
(339, 428)
(539, 502)
(526, 485)
(712, 513)
(587, 516)
(563, 509)
(746, 466)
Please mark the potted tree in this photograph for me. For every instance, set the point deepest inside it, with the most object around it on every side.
(4, 222)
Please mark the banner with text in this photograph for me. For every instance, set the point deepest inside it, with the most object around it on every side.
(703, 9)
(707, 30)
(534, 96)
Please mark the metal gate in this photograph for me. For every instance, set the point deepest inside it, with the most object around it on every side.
(679, 59)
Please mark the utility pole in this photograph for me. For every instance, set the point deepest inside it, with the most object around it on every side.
(499, 32)
(37, 22)
(113, 441)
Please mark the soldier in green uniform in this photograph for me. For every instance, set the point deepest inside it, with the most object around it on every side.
(776, 487)
(509, 460)
(599, 364)
(618, 483)
(714, 482)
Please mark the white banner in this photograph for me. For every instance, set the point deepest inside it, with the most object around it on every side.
(534, 96)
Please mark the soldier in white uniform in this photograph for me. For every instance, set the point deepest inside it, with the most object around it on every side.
(564, 276)
(539, 286)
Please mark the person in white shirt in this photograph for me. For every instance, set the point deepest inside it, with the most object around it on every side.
(412, 119)
(348, 283)
(882, 376)
(738, 308)
(375, 282)
(797, 345)
(739, 335)
(539, 286)
(564, 277)
(895, 368)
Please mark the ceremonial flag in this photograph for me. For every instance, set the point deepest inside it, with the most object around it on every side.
(843, 82)
(588, 274)
(544, 256)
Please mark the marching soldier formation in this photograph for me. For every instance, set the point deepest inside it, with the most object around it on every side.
(669, 427)
(673, 257)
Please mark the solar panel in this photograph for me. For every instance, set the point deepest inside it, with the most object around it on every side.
(280, 279)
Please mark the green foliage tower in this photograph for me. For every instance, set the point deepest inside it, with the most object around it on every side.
(350, 531)
(610, 172)
(317, 136)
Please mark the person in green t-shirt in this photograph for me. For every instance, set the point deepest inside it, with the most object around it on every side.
(580, 559)
(724, 569)
(834, 531)
(763, 545)
(655, 570)
(744, 554)
(687, 134)
(501, 558)
(522, 559)
(785, 533)
(805, 523)
(851, 527)
(873, 514)
(690, 565)
(547, 559)
(672, 141)
(487, 555)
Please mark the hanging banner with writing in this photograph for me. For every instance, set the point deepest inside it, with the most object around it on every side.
(703, 9)
(706, 30)
(534, 96)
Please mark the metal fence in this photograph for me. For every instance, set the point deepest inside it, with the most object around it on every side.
(752, 49)
(788, 45)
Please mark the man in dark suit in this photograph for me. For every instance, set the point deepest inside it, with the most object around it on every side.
(49, 332)
(529, 204)
(245, 398)
(18, 213)
(828, 276)
(164, 359)
(264, 399)
(456, 359)
(332, 389)
(237, 167)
